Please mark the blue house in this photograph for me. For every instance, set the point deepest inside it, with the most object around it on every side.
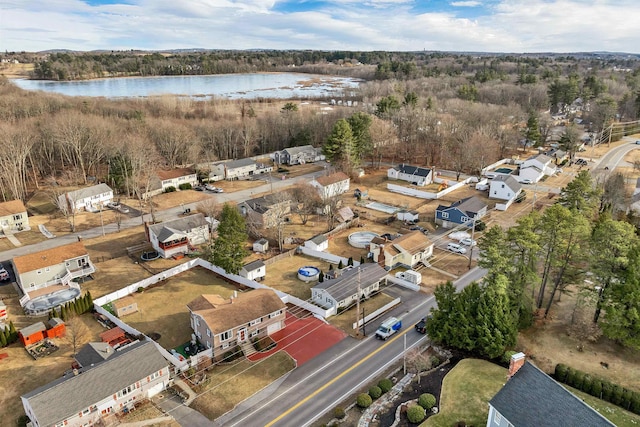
(460, 212)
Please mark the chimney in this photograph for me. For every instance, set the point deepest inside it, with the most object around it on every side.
(517, 360)
(75, 372)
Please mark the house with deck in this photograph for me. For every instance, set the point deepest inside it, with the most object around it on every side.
(51, 270)
(464, 211)
(95, 394)
(299, 155)
(407, 250)
(329, 186)
(222, 323)
(531, 398)
(265, 212)
(349, 284)
(90, 199)
(412, 174)
(178, 236)
(13, 216)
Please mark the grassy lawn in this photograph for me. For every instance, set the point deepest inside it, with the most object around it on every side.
(615, 414)
(283, 275)
(466, 391)
(347, 318)
(163, 308)
(231, 384)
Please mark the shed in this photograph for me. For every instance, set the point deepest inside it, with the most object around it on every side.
(255, 270)
(57, 328)
(261, 245)
(32, 334)
(113, 335)
(124, 306)
(317, 243)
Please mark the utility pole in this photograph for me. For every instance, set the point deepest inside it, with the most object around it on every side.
(364, 333)
(473, 230)
(404, 356)
(358, 304)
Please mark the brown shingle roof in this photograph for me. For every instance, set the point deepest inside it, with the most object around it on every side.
(332, 179)
(12, 207)
(222, 315)
(49, 257)
(174, 173)
(123, 302)
(413, 242)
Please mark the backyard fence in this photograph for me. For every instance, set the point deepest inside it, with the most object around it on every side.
(377, 313)
(403, 283)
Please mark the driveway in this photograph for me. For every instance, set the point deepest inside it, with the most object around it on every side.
(185, 416)
(303, 338)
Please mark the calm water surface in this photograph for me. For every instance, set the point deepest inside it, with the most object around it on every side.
(233, 86)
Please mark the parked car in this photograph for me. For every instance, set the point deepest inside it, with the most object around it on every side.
(456, 248)
(467, 241)
(113, 205)
(526, 181)
(198, 188)
(218, 190)
(638, 141)
(209, 187)
(123, 209)
(4, 274)
(490, 175)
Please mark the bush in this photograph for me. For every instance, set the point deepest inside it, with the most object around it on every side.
(607, 390)
(587, 383)
(339, 413)
(364, 400)
(416, 414)
(616, 395)
(140, 289)
(571, 377)
(596, 388)
(627, 395)
(170, 189)
(578, 379)
(435, 361)
(635, 403)
(185, 186)
(375, 392)
(560, 373)
(427, 401)
(506, 356)
(385, 385)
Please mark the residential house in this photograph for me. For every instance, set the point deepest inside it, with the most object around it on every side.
(92, 354)
(344, 214)
(350, 284)
(165, 179)
(38, 271)
(265, 212)
(531, 398)
(635, 198)
(331, 185)
(220, 324)
(255, 270)
(463, 211)
(112, 386)
(178, 235)
(91, 199)
(318, 243)
(557, 155)
(125, 305)
(407, 250)
(261, 245)
(237, 169)
(413, 174)
(13, 216)
(299, 155)
(536, 167)
(504, 187)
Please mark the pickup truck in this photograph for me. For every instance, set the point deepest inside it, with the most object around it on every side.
(388, 328)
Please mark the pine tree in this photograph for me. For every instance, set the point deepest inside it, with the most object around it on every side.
(89, 300)
(321, 277)
(228, 249)
(3, 340)
(13, 334)
(7, 336)
(350, 261)
(340, 265)
(362, 260)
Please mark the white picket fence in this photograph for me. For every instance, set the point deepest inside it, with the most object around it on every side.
(407, 191)
(377, 313)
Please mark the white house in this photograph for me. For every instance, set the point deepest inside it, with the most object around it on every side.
(318, 243)
(106, 388)
(541, 162)
(237, 169)
(255, 270)
(504, 187)
(13, 216)
(172, 178)
(176, 236)
(331, 185)
(349, 285)
(91, 199)
(413, 174)
(407, 250)
(299, 155)
(409, 216)
(261, 245)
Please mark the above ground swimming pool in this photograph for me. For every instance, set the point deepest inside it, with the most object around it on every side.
(361, 239)
(45, 303)
(308, 273)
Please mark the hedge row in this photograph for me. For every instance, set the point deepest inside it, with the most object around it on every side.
(598, 387)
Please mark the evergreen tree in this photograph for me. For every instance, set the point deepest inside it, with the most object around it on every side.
(350, 261)
(360, 124)
(581, 195)
(340, 265)
(89, 300)
(532, 133)
(228, 249)
(13, 334)
(7, 336)
(3, 340)
(340, 145)
(321, 277)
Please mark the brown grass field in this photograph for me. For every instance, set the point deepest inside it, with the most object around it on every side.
(163, 307)
(347, 318)
(283, 275)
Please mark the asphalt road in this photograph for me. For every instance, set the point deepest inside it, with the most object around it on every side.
(320, 385)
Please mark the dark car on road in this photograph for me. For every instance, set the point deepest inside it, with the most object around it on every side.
(421, 326)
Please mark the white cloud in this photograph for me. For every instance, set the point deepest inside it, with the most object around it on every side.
(505, 26)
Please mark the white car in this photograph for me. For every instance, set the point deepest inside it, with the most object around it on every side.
(4, 274)
(210, 187)
(526, 181)
(490, 175)
(456, 248)
(468, 242)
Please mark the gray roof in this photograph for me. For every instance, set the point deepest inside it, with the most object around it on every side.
(346, 284)
(70, 395)
(262, 241)
(263, 204)
(240, 163)
(509, 181)
(94, 353)
(94, 190)
(320, 238)
(296, 150)
(470, 205)
(531, 398)
(253, 265)
(168, 229)
(541, 158)
(32, 329)
(413, 170)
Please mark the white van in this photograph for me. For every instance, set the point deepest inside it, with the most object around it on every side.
(454, 247)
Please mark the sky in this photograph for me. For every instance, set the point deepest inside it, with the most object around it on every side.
(515, 26)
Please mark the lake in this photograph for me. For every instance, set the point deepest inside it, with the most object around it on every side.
(232, 86)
